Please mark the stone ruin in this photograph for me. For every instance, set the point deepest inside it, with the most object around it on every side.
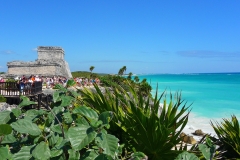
(50, 62)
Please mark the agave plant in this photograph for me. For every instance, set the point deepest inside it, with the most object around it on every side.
(140, 123)
(228, 133)
(151, 130)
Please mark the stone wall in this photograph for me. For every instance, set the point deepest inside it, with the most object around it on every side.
(50, 62)
(47, 53)
(33, 70)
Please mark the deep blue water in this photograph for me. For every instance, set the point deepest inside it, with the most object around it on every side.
(214, 95)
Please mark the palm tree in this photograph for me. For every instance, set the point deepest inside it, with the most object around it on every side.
(120, 72)
(124, 68)
(136, 79)
(91, 68)
(130, 75)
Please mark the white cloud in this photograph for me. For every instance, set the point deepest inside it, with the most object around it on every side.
(208, 54)
(7, 52)
(34, 49)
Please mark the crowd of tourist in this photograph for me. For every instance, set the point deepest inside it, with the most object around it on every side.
(49, 82)
(25, 82)
(84, 82)
(1, 79)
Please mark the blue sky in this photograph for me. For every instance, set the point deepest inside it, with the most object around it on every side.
(155, 36)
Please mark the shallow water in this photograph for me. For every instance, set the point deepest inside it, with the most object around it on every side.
(213, 95)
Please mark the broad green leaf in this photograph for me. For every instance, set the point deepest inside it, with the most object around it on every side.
(73, 155)
(81, 136)
(55, 110)
(67, 117)
(31, 114)
(56, 128)
(103, 157)
(96, 124)
(4, 153)
(86, 111)
(106, 117)
(66, 100)
(108, 143)
(53, 139)
(60, 139)
(8, 139)
(17, 112)
(26, 126)
(56, 152)
(61, 143)
(42, 112)
(38, 139)
(25, 102)
(24, 153)
(4, 117)
(207, 151)
(70, 83)
(56, 97)
(41, 151)
(81, 121)
(186, 156)
(89, 155)
(138, 155)
(74, 93)
(5, 129)
(60, 87)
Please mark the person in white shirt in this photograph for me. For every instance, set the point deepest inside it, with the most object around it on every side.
(37, 79)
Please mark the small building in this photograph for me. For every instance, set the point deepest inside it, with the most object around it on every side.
(50, 62)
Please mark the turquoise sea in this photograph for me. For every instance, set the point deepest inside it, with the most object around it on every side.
(212, 95)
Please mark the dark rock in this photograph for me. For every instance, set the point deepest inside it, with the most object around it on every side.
(187, 139)
(198, 132)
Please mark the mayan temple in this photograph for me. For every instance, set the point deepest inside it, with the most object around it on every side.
(50, 62)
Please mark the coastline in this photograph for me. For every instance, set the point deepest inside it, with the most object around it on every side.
(196, 122)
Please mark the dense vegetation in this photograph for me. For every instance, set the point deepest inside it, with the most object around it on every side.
(120, 121)
(67, 130)
(109, 80)
(2, 99)
(84, 74)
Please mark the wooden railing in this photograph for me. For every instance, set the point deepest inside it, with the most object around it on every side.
(11, 89)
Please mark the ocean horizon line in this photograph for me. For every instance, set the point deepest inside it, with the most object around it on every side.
(193, 73)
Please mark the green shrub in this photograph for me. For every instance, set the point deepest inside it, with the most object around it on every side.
(137, 123)
(205, 149)
(228, 133)
(10, 80)
(2, 99)
(65, 131)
